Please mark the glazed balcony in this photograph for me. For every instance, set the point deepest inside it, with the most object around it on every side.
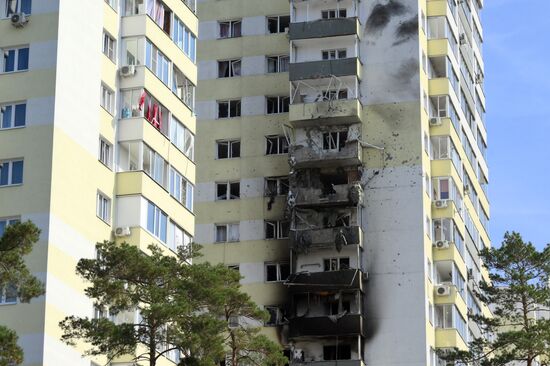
(323, 326)
(306, 70)
(322, 28)
(341, 195)
(304, 156)
(302, 241)
(345, 279)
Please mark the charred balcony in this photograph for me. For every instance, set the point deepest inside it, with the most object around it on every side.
(328, 363)
(311, 282)
(338, 195)
(327, 326)
(321, 28)
(342, 155)
(303, 241)
(305, 70)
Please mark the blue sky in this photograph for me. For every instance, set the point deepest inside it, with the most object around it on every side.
(517, 86)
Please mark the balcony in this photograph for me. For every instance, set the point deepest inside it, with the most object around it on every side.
(341, 195)
(304, 156)
(345, 279)
(326, 112)
(324, 326)
(322, 28)
(302, 241)
(325, 68)
(328, 363)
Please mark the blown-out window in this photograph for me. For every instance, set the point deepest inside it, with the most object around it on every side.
(230, 29)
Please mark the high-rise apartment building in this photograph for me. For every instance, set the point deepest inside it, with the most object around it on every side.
(97, 131)
(342, 171)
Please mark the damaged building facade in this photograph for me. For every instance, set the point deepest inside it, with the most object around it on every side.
(341, 170)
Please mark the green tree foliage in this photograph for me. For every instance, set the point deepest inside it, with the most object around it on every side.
(518, 288)
(243, 338)
(156, 303)
(16, 242)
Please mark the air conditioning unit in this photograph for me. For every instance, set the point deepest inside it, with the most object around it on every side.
(462, 38)
(467, 189)
(441, 203)
(442, 290)
(442, 244)
(122, 231)
(435, 121)
(18, 20)
(233, 322)
(128, 70)
(479, 78)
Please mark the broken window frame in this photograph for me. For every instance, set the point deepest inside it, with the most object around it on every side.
(234, 29)
(282, 268)
(336, 264)
(335, 94)
(282, 186)
(337, 351)
(282, 26)
(231, 233)
(280, 64)
(334, 54)
(334, 13)
(279, 104)
(332, 140)
(232, 147)
(280, 229)
(276, 145)
(229, 68)
(233, 108)
(230, 189)
(278, 315)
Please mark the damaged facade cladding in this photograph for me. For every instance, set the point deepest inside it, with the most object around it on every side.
(357, 203)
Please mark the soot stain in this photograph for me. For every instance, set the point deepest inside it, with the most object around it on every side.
(406, 31)
(381, 15)
(407, 71)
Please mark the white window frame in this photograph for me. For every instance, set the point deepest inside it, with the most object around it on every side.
(108, 46)
(334, 54)
(280, 100)
(103, 207)
(229, 102)
(280, 60)
(229, 228)
(184, 195)
(3, 291)
(281, 145)
(105, 154)
(278, 229)
(4, 6)
(9, 221)
(279, 318)
(278, 17)
(333, 13)
(231, 27)
(279, 183)
(3, 51)
(278, 266)
(334, 144)
(233, 73)
(228, 196)
(112, 3)
(10, 172)
(228, 144)
(107, 97)
(13, 105)
(337, 261)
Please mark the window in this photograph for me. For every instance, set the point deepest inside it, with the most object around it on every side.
(107, 98)
(277, 229)
(5, 222)
(184, 39)
(277, 272)
(335, 94)
(339, 352)
(138, 103)
(18, 6)
(182, 138)
(228, 191)
(333, 13)
(160, 13)
(275, 316)
(334, 140)
(181, 189)
(109, 48)
(441, 188)
(336, 264)
(8, 294)
(276, 145)
(229, 108)
(177, 237)
(275, 186)
(155, 166)
(11, 172)
(230, 29)
(278, 24)
(112, 3)
(227, 233)
(228, 149)
(103, 209)
(157, 62)
(229, 68)
(277, 104)
(15, 59)
(13, 115)
(105, 152)
(156, 221)
(448, 316)
(234, 267)
(334, 54)
(277, 63)
(183, 88)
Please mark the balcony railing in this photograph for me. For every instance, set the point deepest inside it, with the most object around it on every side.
(302, 241)
(324, 68)
(345, 279)
(304, 156)
(340, 195)
(321, 28)
(327, 326)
